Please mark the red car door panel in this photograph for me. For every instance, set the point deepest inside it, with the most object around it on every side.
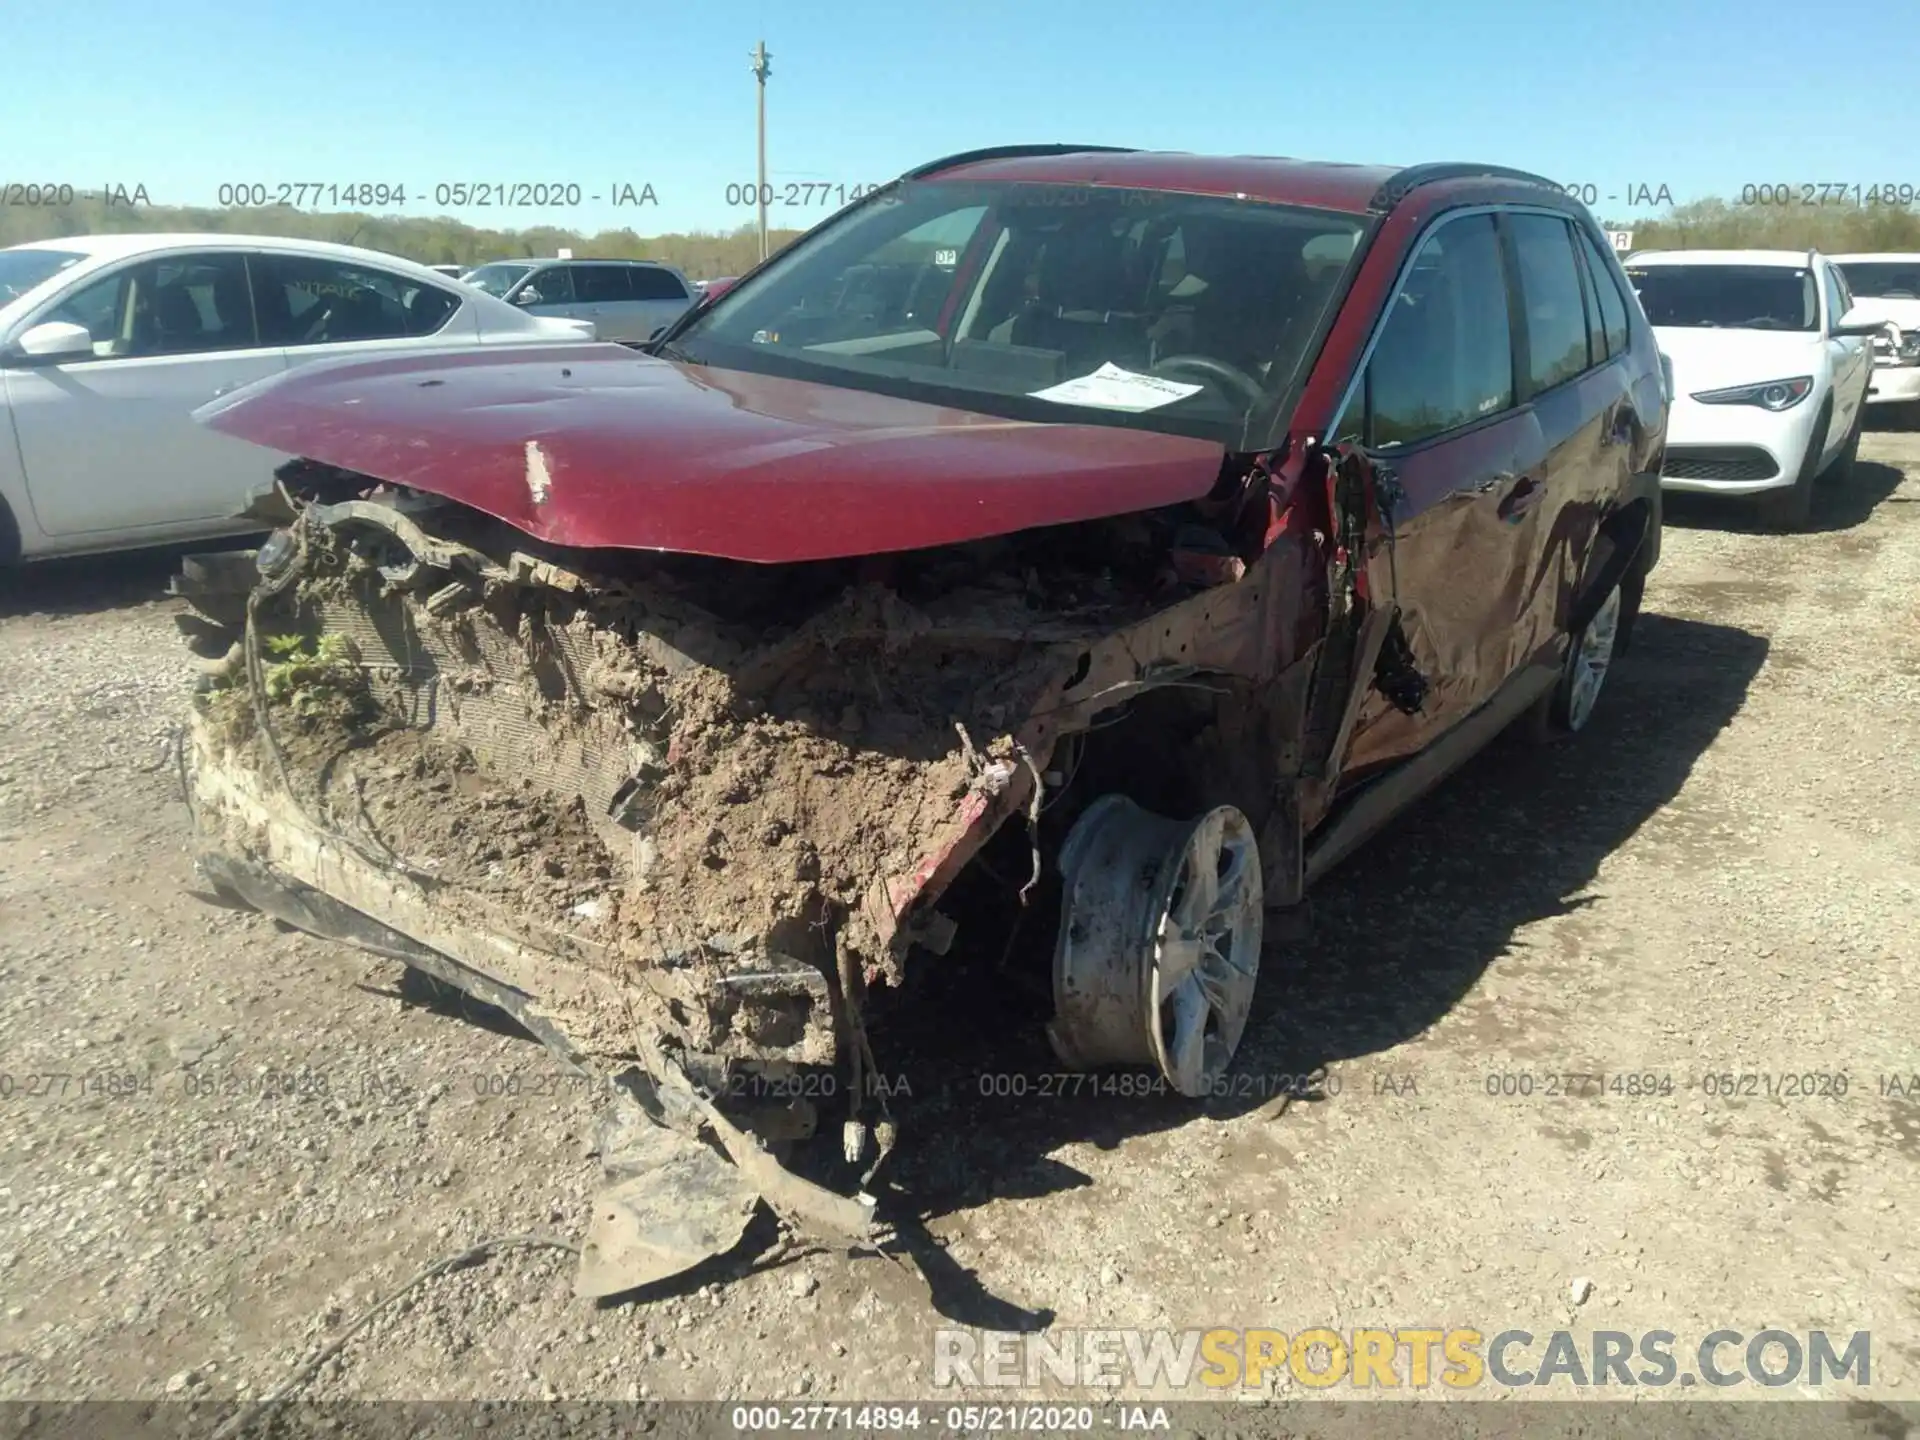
(1452, 568)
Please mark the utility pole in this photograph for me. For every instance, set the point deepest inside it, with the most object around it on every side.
(761, 70)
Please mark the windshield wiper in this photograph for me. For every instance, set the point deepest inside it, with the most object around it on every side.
(667, 350)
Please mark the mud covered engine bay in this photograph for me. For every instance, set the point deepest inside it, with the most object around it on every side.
(688, 820)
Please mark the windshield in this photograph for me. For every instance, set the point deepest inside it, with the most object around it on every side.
(1883, 279)
(496, 279)
(1733, 297)
(21, 270)
(1179, 312)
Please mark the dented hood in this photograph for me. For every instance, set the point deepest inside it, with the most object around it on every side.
(598, 445)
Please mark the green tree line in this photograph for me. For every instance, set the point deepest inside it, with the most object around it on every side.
(1722, 225)
(707, 255)
(441, 240)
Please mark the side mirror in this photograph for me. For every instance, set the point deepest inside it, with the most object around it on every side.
(1852, 324)
(529, 296)
(54, 341)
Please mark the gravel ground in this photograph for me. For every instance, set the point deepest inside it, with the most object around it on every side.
(260, 1132)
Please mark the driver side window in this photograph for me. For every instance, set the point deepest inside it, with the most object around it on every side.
(1838, 302)
(1444, 356)
(555, 285)
(177, 305)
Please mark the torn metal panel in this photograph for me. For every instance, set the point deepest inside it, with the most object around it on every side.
(670, 1204)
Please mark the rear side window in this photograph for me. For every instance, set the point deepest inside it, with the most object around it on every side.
(652, 283)
(1596, 326)
(1613, 305)
(1555, 309)
(601, 282)
(305, 300)
(1444, 358)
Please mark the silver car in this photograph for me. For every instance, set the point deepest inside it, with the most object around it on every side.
(626, 300)
(109, 343)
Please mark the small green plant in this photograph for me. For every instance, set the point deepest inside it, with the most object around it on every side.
(306, 672)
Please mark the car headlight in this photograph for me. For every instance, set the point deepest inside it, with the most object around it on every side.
(273, 557)
(1775, 395)
(1899, 347)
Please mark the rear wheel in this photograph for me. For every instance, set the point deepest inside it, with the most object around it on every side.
(9, 537)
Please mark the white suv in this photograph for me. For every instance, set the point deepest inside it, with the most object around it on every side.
(1887, 287)
(1770, 371)
(627, 300)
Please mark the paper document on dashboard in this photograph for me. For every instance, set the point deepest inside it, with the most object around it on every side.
(1111, 388)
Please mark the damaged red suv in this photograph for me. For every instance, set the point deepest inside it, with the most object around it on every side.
(1109, 536)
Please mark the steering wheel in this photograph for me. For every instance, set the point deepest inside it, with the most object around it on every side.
(1206, 366)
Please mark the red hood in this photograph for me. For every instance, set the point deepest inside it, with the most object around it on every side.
(597, 445)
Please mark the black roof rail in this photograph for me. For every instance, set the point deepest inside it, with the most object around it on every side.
(1402, 182)
(1012, 152)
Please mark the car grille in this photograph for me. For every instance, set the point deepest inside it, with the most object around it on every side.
(1719, 462)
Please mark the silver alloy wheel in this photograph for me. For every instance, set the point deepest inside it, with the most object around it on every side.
(1589, 658)
(1207, 953)
(1159, 947)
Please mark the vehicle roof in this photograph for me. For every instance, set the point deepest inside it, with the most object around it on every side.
(106, 248)
(572, 260)
(115, 246)
(1783, 258)
(1869, 256)
(1257, 177)
(1324, 184)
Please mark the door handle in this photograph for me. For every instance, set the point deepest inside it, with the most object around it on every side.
(1520, 499)
(224, 389)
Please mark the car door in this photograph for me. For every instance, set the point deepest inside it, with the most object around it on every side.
(661, 296)
(317, 306)
(1436, 403)
(604, 295)
(108, 443)
(1584, 409)
(1852, 357)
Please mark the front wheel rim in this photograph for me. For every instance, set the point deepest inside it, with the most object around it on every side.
(1592, 654)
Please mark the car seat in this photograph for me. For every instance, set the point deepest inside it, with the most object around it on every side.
(168, 323)
(1081, 304)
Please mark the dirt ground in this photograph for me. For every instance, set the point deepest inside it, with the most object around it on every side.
(259, 1132)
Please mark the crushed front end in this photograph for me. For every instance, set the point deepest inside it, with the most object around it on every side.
(682, 817)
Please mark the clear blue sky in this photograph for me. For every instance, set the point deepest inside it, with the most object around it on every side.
(180, 95)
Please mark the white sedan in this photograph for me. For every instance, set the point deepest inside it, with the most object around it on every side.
(109, 343)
